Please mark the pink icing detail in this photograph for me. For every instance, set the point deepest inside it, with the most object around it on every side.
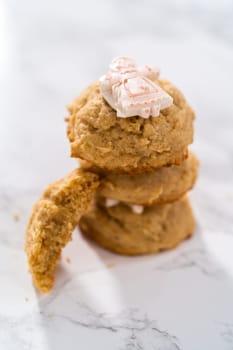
(128, 89)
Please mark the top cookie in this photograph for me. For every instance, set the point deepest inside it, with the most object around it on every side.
(133, 144)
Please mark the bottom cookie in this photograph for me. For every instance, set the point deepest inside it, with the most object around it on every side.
(120, 230)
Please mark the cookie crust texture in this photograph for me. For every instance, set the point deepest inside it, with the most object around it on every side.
(163, 185)
(158, 228)
(52, 222)
(132, 144)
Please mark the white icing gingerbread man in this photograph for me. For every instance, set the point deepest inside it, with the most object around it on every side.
(131, 90)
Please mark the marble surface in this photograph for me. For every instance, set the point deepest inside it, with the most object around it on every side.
(49, 50)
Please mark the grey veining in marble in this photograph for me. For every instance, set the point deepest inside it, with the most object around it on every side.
(182, 299)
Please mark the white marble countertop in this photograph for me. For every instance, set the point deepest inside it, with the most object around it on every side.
(183, 299)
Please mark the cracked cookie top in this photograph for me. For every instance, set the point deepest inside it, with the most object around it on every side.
(133, 144)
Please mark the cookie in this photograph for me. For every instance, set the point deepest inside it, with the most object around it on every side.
(132, 144)
(120, 230)
(162, 185)
(52, 221)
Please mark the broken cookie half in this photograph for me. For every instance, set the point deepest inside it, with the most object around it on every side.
(53, 219)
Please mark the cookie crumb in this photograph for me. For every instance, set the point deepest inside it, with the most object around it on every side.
(68, 260)
(15, 216)
(110, 265)
(66, 119)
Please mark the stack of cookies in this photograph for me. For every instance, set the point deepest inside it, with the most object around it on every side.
(133, 130)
